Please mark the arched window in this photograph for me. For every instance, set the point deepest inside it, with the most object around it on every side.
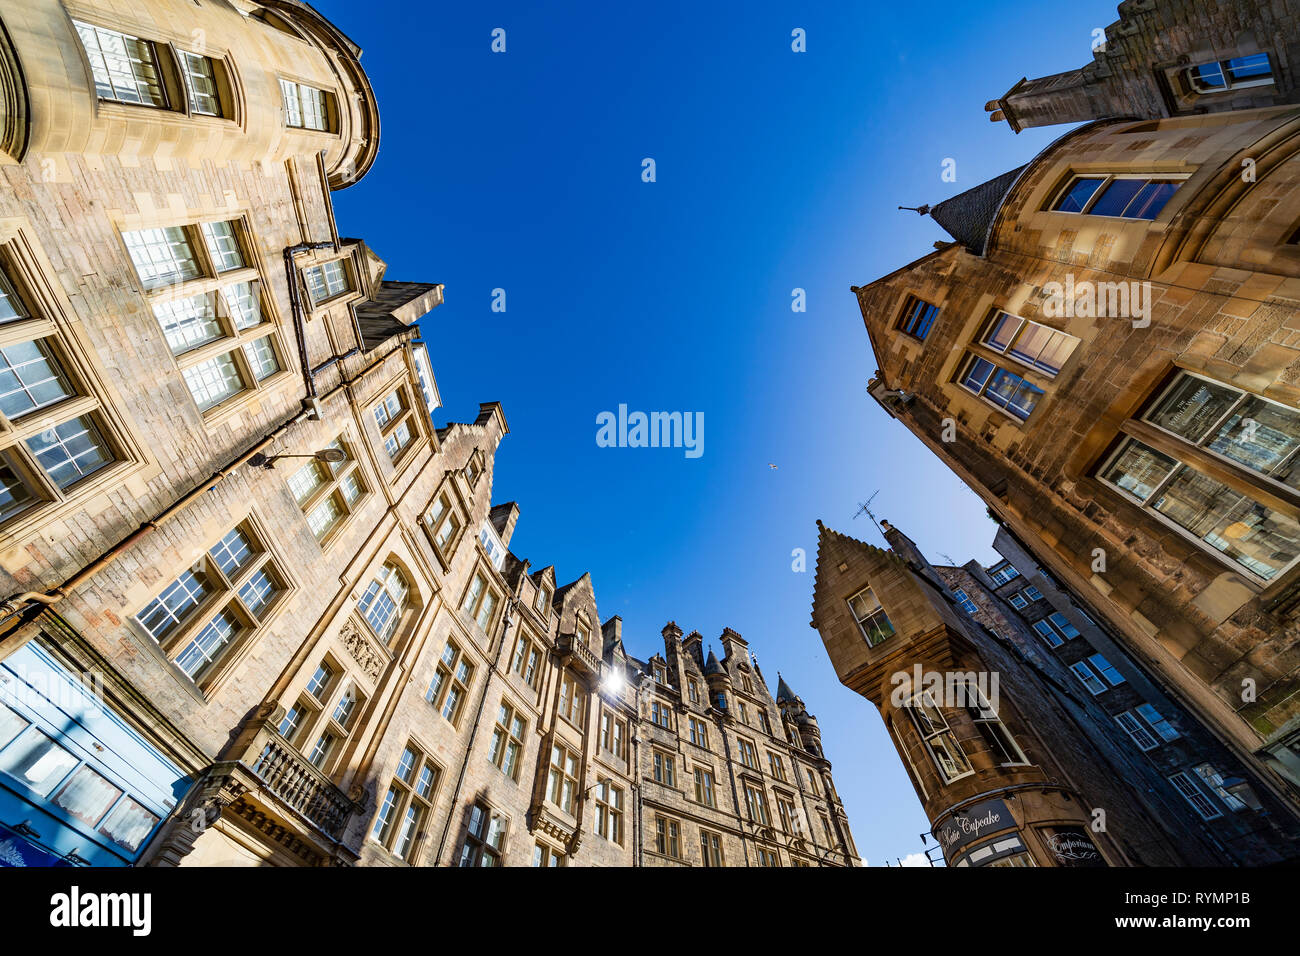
(384, 601)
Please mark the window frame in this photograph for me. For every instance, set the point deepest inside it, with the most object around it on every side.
(527, 659)
(329, 108)
(668, 833)
(1260, 488)
(347, 271)
(563, 774)
(224, 595)
(929, 731)
(706, 786)
(1193, 790)
(608, 815)
(504, 737)
(1107, 180)
(406, 793)
(663, 768)
(1200, 88)
(474, 604)
(215, 285)
(917, 313)
(965, 371)
(391, 424)
(41, 317)
(454, 673)
(478, 848)
(378, 587)
(872, 617)
(331, 488)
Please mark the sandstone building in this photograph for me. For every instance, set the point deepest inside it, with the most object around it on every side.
(255, 607)
(1031, 737)
(1108, 353)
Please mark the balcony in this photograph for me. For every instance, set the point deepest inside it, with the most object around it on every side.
(580, 655)
(291, 788)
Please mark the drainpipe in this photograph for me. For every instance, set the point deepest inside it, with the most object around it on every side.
(311, 403)
(638, 807)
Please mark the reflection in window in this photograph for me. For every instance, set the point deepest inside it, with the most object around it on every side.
(1125, 197)
(1004, 389)
(1037, 346)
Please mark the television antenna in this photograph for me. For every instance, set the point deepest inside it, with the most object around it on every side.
(864, 507)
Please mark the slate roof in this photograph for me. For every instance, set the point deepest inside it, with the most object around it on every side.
(968, 217)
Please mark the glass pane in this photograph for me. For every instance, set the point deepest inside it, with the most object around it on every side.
(1208, 76)
(1055, 352)
(87, 796)
(189, 322)
(244, 305)
(1259, 435)
(257, 593)
(1003, 330)
(36, 761)
(1191, 407)
(30, 378)
(14, 494)
(129, 824)
(213, 381)
(261, 358)
(70, 451)
(11, 306)
(1013, 393)
(1115, 198)
(1257, 538)
(1255, 66)
(165, 612)
(1031, 342)
(1077, 196)
(1139, 469)
(201, 84)
(1151, 198)
(11, 725)
(161, 256)
(232, 552)
(977, 375)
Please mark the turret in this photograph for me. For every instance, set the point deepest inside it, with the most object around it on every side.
(719, 684)
(803, 725)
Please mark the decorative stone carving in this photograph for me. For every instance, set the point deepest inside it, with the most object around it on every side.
(368, 657)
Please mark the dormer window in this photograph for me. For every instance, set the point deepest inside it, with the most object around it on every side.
(327, 281)
(543, 599)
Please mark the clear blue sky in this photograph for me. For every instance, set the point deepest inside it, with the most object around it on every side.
(775, 170)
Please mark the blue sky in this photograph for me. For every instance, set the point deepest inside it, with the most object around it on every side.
(775, 170)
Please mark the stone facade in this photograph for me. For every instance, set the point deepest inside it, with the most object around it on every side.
(1165, 58)
(258, 609)
(1134, 322)
(1016, 761)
